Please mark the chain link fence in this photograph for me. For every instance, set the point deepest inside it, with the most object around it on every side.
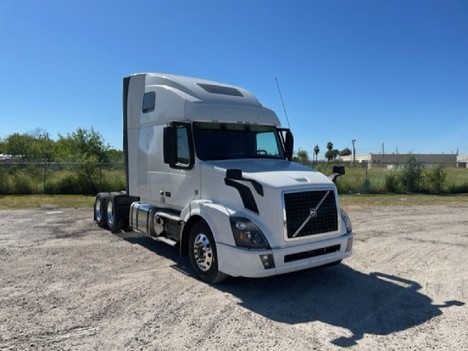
(60, 178)
(408, 177)
(91, 178)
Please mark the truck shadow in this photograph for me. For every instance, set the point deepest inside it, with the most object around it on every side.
(375, 303)
(181, 263)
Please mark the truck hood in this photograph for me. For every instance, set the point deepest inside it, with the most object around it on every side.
(274, 173)
(259, 192)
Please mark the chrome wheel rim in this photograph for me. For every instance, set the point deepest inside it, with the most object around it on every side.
(97, 210)
(110, 213)
(202, 252)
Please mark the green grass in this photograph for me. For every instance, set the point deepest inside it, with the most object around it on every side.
(45, 201)
(457, 175)
(350, 202)
(376, 179)
(60, 179)
(356, 201)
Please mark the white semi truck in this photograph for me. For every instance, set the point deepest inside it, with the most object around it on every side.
(208, 168)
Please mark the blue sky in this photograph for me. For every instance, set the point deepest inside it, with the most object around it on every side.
(391, 72)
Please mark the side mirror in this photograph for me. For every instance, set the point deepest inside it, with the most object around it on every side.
(289, 145)
(337, 172)
(340, 170)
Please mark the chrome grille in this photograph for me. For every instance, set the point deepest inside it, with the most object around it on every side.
(310, 212)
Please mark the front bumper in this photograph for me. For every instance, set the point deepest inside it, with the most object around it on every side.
(236, 261)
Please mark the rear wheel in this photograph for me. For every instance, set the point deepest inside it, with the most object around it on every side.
(114, 222)
(100, 209)
(203, 254)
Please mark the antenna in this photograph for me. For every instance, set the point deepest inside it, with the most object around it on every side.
(282, 102)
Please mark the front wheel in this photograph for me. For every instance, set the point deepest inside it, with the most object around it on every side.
(203, 255)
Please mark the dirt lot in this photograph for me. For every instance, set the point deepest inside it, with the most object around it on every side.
(67, 285)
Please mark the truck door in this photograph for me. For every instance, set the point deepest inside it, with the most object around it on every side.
(182, 180)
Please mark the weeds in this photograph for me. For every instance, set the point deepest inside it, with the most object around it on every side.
(408, 178)
(86, 178)
(90, 178)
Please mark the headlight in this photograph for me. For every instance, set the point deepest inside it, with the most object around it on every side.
(247, 234)
(347, 221)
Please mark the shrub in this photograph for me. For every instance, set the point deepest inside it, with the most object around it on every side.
(435, 177)
(391, 183)
(67, 185)
(113, 183)
(459, 188)
(24, 185)
(410, 176)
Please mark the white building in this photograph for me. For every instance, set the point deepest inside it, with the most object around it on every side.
(392, 159)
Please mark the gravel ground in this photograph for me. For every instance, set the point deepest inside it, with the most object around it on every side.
(65, 284)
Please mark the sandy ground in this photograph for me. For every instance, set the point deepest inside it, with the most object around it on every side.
(65, 284)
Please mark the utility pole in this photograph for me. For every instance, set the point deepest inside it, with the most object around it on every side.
(354, 150)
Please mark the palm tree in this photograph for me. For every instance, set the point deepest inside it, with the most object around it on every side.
(316, 152)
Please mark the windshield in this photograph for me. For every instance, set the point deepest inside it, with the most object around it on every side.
(224, 141)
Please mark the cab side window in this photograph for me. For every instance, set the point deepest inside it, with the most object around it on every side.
(178, 147)
(183, 150)
(149, 102)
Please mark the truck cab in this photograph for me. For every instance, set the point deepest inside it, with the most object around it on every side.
(210, 169)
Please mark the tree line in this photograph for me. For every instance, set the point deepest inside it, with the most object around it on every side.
(88, 145)
(80, 162)
(331, 154)
(83, 145)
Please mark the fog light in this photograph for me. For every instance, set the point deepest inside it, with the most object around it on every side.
(268, 261)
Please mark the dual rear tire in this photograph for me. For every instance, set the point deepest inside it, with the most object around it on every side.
(100, 209)
(109, 213)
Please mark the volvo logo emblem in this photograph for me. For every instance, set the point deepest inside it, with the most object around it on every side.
(312, 214)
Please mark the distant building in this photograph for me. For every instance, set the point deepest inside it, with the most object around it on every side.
(4, 157)
(395, 159)
(462, 161)
(448, 159)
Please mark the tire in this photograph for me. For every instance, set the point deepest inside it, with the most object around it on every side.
(203, 254)
(114, 222)
(100, 209)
